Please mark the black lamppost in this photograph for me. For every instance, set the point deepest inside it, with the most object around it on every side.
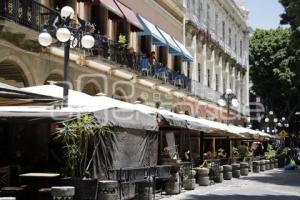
(227, 99)
(272, 124)
(63, 34)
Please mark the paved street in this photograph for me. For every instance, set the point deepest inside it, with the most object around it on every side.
(271, 185)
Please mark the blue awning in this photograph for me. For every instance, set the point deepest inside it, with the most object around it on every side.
(173, 47)
(186, 56)
(150, 29)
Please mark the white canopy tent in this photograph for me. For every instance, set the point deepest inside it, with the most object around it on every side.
(82, 103)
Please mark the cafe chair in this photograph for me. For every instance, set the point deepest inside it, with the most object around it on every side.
(6, 188)
(145, 66)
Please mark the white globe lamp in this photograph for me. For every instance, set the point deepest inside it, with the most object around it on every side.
(228, 91)
(67, 11)
(235, 103)
(63, 34)
(222, 102)
(88, 41)
(45, 39)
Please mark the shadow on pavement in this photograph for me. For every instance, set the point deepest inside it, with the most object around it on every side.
(240, 197)
(286, 178)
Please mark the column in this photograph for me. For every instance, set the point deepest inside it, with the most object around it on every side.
(227, 75)
(46, 3)
(204, 64)
(213, 69)
(214, 146)
(246, 86)
(80, 9)
(233, 79)
(231, 148)
(220, 69)
(237, 85)
(201, 145)
(196, 59)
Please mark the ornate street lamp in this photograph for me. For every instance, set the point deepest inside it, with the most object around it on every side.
(64, 35)
(273, 124)
(227, 99)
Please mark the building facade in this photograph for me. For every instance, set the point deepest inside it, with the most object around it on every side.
(217, 34)
(191, 79)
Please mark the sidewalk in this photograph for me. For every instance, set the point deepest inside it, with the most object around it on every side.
(270, 185)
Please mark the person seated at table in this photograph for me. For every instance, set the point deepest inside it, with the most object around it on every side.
(259, 151)
(152, 58)
(166, 153)
(186, 157)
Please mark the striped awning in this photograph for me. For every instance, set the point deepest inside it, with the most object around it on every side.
(186, 56)
(119, 9)
(151, 30)
(173, 47)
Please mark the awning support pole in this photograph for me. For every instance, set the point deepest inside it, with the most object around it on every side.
(201, 146)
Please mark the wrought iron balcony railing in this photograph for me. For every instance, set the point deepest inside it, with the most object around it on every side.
(28, 13)
(36, 16)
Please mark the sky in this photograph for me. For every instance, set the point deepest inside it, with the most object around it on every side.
(264, 13)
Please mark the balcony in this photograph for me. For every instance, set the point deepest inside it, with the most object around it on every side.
(204, 92)
(36, 17)
(191, 16)
(27, 13)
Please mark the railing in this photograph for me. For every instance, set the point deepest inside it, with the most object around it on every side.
(204, 92)
(35, 16)
(139, 63)
(28, 13)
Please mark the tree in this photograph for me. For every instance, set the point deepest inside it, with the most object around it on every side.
(274, 70)
(292, 17)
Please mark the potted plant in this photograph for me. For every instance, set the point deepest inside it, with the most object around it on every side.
(80, 140)
(235, 154)
(281, 154)
(270, 153)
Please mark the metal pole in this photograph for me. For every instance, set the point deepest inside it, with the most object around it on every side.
(66, 73)
(201, 146)
(228, 108)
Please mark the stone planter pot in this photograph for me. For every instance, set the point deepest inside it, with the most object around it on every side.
(203, 178)
(267, 164)
(236, 170)
(63, 192)
(244, 168)
(145, 191)
(85, 188)
(262, 165)
(281, 162)
(227, 172)
(219, 178)
(108, 190)
(272, 163)
(275, 163)
(172, 185)
(256, 166)
(189, 184)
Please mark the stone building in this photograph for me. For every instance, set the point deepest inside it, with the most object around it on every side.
(214, 32)
(217, 34)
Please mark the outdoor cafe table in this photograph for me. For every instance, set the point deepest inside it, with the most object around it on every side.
(40, 175)
(36, 181)
(39, 179)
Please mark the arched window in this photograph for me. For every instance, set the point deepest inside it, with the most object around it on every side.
(12, 74)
